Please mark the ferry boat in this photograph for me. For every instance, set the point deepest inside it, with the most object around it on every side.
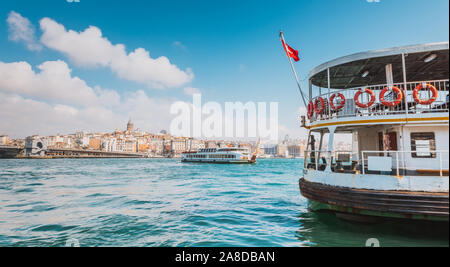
(394, 105)
(229, 155)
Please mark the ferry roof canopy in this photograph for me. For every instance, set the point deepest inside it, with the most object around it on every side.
(347, 72)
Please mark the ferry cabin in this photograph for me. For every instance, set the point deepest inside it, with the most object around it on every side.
(393, 105)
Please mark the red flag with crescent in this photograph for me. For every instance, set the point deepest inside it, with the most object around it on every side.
(290, 52)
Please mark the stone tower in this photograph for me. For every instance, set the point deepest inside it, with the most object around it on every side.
(130, 126)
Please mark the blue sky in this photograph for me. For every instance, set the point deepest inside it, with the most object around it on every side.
(231, 46)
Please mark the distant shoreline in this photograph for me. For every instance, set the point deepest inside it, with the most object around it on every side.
(50, 157)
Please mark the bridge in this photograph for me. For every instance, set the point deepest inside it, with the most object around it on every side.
(9, 152)
(82, 153)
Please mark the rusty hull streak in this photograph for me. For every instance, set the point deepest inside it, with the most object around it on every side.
(401, 202)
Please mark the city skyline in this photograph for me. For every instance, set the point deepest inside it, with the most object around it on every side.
(132, 142)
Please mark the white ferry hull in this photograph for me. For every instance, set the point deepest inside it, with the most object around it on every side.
(220, 162)
(219, 156)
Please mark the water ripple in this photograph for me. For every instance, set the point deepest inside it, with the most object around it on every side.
(160, 202)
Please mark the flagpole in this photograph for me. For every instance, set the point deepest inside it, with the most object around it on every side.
(293, 70)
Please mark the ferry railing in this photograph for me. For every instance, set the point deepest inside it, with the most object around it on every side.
(350, 108)
(320, 159)
(404, 160)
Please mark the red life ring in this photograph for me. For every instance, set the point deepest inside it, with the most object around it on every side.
(318, 109)
(372, 98)
(310, 109)
(428, 86)
(397, 101)
(341, 105)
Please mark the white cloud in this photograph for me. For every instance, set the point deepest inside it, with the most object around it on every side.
(90, 48)
(53, 83)
(191, 91)
(21, 116)
(52, 101)
(21, 30)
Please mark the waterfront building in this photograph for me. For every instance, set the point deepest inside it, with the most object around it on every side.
(197, 144)
(4, 140)
(178, 145)
(109, 145)
(211, 144)
(82, 142)
(144, 148)
(95, 143)
(130, 146)
(283, 150)
(295, 151)
(271, 150)
(50, 140)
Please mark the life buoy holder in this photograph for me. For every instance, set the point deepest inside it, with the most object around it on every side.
(396, 101)
(319, 109)
(429, 87)
(310, 109)
(342, 103)
(367, 91)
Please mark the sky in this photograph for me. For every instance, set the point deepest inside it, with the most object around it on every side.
(91, 65)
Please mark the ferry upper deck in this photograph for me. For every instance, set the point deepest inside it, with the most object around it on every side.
(394, 105)
(349, 90)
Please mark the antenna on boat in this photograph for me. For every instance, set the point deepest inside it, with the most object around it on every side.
(288, 49)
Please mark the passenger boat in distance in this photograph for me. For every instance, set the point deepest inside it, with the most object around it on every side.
(229, 155)
(394, 106)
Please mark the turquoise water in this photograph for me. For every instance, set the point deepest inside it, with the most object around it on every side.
(161, 202)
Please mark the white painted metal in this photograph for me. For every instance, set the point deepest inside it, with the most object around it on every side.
(379, 164)
(380, 182)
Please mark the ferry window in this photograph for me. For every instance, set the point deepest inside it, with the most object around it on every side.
(424, 145)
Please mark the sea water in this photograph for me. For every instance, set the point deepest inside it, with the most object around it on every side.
(163, 202)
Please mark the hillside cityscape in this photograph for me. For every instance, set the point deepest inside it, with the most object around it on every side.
(136, 143)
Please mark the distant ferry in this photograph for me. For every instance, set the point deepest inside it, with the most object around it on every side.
(229, 155)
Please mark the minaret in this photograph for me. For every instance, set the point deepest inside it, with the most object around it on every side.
(130, 126)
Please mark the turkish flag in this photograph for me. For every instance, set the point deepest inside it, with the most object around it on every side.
(290, 52)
